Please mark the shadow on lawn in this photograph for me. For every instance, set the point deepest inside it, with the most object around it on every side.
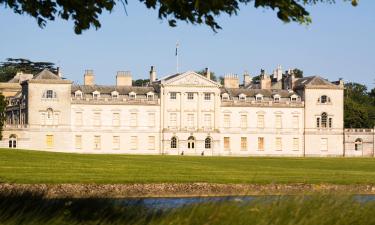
(31, 208)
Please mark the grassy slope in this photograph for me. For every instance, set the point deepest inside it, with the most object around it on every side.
(45, 167)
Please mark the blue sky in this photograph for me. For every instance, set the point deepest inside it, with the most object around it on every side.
(339, 43)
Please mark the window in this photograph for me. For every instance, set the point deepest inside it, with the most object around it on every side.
(78, 94)
(295, 122)
(191, 142)
(243, 143)
(260, 121)
(207, 143)
(225, 97)
(330, 122)
(116, 142)
(190, 95)
(151, 119)
(207, 96)
(173, 120)
(242, 97)
(151, 142)
(324, 144)
(49, 94)
(173, 95)
(78, 118)
(150, 97)
(97, 118)
(78, 141)
(190, 120)
(55, 119)
(318, 122)
(116, 119)
(49, 141)
(295, 144)
(278, 144)
(226, 143)
(133, 119)
(258, 98)
(323, 99)
(358, 144)
(276, 98)
(243, 122)
(261, 143)
(97, 142)
(226, 120)
(293, 99)
(173, 142)
(207, 120)
(278, 121)
(12, 141)
(114, 95)
(49, 120)
(95, 95)
(133, 142)
(42, 118)
(132, 95)
(324, 120)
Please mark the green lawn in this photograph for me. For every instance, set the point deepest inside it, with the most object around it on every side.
(21, 166)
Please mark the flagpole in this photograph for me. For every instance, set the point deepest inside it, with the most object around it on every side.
(177, 45)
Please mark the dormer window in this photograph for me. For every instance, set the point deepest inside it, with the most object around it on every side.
(78, 94)
(225, 97)
(132, 95)
(150, 96)
(276, 98)
(114, 94)
(258, 97)
(293, 98)
(49, 94)
(96, 95)
(242, 97)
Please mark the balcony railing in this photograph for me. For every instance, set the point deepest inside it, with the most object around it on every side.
(262, 103)
(118, 101)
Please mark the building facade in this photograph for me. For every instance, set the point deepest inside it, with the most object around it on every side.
(183, 114)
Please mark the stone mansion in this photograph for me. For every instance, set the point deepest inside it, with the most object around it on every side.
(182, 114)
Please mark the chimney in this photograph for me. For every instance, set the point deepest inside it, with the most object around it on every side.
(207, 73)
(265, 80)
(89, 77)
(246, 79)
(124, 78)
(152, 74)
(231, 81)
(59, 72)
(278, 73)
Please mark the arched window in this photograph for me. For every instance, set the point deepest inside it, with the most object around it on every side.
(49, 120)
(324, 120)
(207, 143)
(358, 144)
(12, 141)
(173, 142)
(191, 142)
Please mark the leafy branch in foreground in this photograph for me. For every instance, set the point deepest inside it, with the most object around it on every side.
(85, 14)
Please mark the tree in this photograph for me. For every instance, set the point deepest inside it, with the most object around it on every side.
(297, 73)
(212, 74)
(3, 104)
(141, 82)
(85, 14)
(13, 65)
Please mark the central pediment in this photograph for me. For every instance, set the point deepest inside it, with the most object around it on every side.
(189, 78)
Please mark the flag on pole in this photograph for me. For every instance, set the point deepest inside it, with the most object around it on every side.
(176, 49)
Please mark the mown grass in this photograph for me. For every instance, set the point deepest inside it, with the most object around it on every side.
(297, 210)
(20, 166)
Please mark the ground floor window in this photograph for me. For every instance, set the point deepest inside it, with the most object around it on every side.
(13, 141)
(173, 142)
(116, 142)
(207, 143)
(295, 144)
(133, 142)
(226, 143)
(358, 144)
(49, 141)
(151, 142)
(243, 143)
(78, 141)
(97, 142)
(324, 144)
(191, 142)
(261, 143)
